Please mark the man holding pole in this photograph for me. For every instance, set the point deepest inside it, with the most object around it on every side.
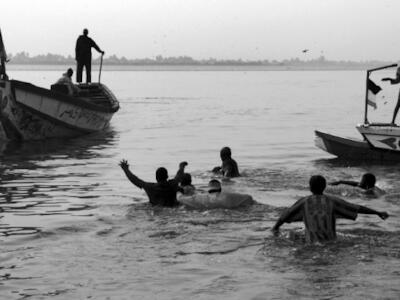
(83, 55)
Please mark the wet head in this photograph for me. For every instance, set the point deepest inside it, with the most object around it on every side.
(368, 181)
(161, 174)
(214, 186)
(225, 153)
(186, 179)
(317, 184)
(70, 72)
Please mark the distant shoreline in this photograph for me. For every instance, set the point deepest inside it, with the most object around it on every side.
(243, 68)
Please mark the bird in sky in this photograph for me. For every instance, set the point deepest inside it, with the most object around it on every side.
(305, 51)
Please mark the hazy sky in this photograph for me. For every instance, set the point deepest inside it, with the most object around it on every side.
(248, 29)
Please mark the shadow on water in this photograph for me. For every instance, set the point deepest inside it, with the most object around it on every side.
(345, 163)
(33, 181)
(79, 148)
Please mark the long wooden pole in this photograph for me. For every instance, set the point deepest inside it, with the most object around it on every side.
(101, 65)
(366, 100)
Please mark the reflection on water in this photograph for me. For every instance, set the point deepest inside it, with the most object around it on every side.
(31, 177)
(77, 148)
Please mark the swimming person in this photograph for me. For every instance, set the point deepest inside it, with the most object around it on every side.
(395, 81)
(181, 171)
(319, 212)
(367, 183)
(229, 167)
(187, 188)
(216, 198)
(162, 193)
(184, 179)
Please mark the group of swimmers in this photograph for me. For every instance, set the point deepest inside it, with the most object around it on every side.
(164, 192)
(318, 211)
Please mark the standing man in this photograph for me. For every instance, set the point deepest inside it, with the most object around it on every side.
(83, 55)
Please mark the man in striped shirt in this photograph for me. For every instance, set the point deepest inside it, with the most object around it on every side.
(319, 212)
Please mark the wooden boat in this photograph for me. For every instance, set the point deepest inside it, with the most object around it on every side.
(352, 149)
(381, 140)
(381, 136)
(29, 112)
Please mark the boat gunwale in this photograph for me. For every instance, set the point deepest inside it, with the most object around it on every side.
(375, 153)
(338, 138)
(78, 101)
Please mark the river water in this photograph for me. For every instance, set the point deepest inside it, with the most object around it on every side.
(73, 227)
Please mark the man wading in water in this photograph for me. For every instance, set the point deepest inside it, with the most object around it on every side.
(162, 193)
(229, 167)
(319, 212)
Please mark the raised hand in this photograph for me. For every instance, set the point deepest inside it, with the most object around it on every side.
(124, 164)
(182, 165)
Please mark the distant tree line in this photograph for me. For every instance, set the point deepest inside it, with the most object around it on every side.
(56, 59)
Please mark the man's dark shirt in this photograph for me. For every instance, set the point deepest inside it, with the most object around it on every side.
(83, 48)
(230, 168)
(162, 193)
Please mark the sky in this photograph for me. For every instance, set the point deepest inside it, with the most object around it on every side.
(224, 29)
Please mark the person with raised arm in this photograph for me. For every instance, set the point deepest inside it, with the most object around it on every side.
(319, 212)
(162, 193)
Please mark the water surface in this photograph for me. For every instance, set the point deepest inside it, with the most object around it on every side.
(73, 227)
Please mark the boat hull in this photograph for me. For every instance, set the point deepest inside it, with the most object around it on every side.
(352, 149)
(381, 136)
(29, 112)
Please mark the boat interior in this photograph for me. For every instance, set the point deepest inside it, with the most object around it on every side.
(381, 125)
(93, 92)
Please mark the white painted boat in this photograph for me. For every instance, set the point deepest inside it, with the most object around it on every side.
(381, 136)
(381, 140)
(29, 112)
